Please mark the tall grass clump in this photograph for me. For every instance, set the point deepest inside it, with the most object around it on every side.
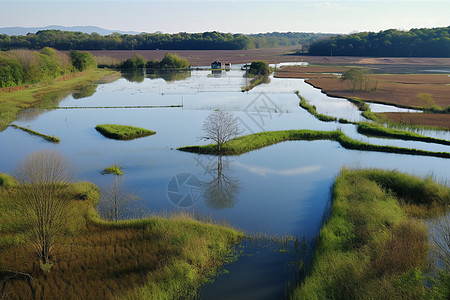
(123, 132)
(114, 169)
(7, 181)
(370, 247)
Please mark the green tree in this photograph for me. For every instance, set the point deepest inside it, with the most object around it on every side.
(172, 60)
(357, 77)
(259, 68)
(82, 60)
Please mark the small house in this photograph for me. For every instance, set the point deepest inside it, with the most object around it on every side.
(216, 65)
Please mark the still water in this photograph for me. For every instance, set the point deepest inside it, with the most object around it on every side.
(279, 190)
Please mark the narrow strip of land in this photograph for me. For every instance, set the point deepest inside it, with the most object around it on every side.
(247, 143)
(45, 136)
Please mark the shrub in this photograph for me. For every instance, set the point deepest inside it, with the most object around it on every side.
(7, 181)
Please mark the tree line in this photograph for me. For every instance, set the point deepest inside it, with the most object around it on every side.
(67, 40)
(18, 67)
(434, 42)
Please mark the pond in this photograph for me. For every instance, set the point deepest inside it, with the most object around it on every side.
(281, 190)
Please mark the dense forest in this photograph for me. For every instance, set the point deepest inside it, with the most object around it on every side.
(434, 42)
(67, 40)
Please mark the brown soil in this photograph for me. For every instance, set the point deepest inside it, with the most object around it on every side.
(310, 72)
(403, 90)
(271, 55)
(437, 120)
(388, 89)
(206, 57)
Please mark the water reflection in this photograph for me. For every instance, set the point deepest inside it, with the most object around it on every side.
(134, 76)
(85, 91)
(168, 76)
(216, 73)
(221, 192)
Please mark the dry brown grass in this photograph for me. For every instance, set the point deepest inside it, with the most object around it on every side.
(436, 120)
(103, 260)
(404, 250)
(309, 72)
(400, 90)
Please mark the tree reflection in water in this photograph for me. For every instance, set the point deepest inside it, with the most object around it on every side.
(222, 190)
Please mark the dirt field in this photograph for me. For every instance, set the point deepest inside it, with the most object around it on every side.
(206, 57)
(272, 55)
(403, 90)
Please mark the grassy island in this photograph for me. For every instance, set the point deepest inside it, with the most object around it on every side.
(153, 258)
(123, 132)
(114, 169)
(247, 143)
(374, 245)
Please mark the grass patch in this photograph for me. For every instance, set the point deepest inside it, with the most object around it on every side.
(312, 110)
(377, 130)
(153, 258)
(123, 132)
(257, 80)
(7, 181)
(46, 137)
(259, 140)
(114, 169)
(370, 247)
(11, 103)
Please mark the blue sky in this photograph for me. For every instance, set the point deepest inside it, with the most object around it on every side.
(248, 16)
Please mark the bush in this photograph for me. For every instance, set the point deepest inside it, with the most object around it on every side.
(7, 181)
(173, 61)
(133, 63)
(82, 60)
(259, 68)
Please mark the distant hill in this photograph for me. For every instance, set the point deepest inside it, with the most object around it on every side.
(85, 29)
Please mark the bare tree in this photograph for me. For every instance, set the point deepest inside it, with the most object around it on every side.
(115, 202)
(42, 206)
(440, 236)
(221, 191)
(221, 126)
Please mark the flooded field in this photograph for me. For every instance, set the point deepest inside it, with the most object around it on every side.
(281, 190)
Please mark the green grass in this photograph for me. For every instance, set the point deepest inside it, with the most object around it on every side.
(370, 247)
(157, 257)
(377, 130)
(123, 132)
(114, 169)
(11, 103)
(255, 141)
(312, 110)
(7, 181)
(46, 137)
(257, 80)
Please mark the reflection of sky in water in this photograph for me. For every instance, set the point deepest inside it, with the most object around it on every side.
(280, 189)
